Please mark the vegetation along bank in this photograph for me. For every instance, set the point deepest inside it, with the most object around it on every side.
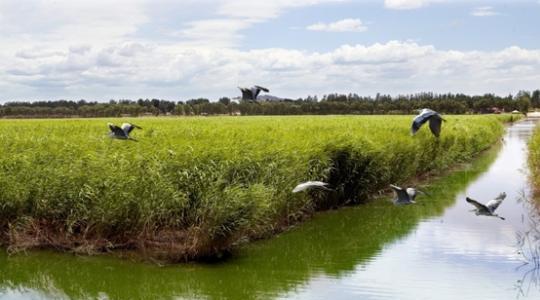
(196, 187)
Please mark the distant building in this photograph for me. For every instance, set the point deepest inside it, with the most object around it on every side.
(496, 110)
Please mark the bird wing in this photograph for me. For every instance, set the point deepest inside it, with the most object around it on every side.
(127, 128)
(246, 94)
(117, 131)
(422, 118)
(435, 124)
(493, 204)
(402, 196)
(262, 88)
(477, 204)
(309, 184)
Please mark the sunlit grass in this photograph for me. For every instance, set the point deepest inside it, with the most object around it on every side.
(204, 184)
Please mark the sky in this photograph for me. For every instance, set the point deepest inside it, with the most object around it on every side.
(177, 50)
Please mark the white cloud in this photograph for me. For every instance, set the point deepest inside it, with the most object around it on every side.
(484, 11)
(232, 16)
(133, 70)
(95, 50)
(345, 25)
(406, 4)
(263, 9)
(65, 21)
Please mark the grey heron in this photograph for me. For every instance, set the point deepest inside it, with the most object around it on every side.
(250, 94)
(489, 208)
(123, 131)
(309, 185)
(405, 196)
(434, 118)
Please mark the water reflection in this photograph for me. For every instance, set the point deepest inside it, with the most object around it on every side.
(434, 249)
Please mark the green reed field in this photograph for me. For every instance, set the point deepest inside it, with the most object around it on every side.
(195, 187)
(534, 159)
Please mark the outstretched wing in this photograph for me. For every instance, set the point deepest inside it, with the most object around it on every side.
(493, 204)
(256, 90)
(422, 118)
(310, 184)
(246, 94)
(435, 123)
(117, 131)
(128, 127)
(262, 88)
(478, 205)
(402, 196)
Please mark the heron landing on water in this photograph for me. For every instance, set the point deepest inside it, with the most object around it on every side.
(122, 132)
(489, 208)
(405, 196)
(434, 118)
(311, 185)
(250, 94)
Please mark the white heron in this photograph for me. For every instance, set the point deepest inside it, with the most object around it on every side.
(434, 118)
(122, 132)
(405, 196)
(309, 185)
(250, 94)
(489, 208)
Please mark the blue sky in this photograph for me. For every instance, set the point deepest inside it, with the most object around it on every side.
(98, 50)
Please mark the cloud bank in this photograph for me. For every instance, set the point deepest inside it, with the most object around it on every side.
(73, 49)
(345, 25)
(131, 70)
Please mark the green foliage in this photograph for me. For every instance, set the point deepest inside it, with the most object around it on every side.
(534, 158)
(223, 179)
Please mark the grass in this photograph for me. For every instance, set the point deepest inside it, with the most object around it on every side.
(332, 245)
(534, 159)
(195, 187)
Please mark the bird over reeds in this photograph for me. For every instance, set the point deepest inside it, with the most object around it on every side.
(122, 132)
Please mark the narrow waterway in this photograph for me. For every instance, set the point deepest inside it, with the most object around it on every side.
(436, 249)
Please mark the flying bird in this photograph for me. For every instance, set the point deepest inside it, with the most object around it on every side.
(250, 94)
(405, 196)
(489, 208)
(123, 131)
(434, 118)
(309, 185)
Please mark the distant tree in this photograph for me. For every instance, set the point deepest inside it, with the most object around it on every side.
(523, 101)
(224, 100)
(535, 99)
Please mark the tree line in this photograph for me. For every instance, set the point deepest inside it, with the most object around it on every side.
(311, 105)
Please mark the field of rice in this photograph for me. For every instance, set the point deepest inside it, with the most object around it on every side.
(196, 187)
(534, 159)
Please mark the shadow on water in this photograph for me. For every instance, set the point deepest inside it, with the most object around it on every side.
(333, 244)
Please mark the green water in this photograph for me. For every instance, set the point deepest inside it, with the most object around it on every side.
(332, 246)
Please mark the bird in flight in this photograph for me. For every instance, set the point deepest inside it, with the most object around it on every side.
(405, 196)
(489, 208)
(309, 185)
(434, 118)
(250, 94)
(122, 132)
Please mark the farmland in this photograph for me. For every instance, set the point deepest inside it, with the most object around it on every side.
(196, 187)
